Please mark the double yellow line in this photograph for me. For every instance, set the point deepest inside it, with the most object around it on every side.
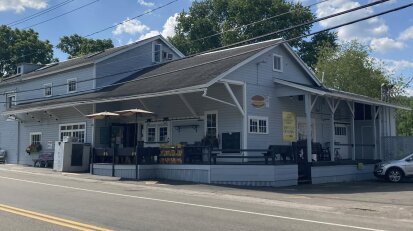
(51, 219)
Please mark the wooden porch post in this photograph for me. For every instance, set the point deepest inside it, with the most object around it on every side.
(333, 107)
(308, 124)
(353, 132)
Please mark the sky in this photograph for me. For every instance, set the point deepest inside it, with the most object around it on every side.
(390, 36)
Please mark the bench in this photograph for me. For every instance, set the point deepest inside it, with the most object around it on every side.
(45, 160)
(283, 150)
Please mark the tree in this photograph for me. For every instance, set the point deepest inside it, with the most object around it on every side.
(76, 45)
(22, 46)
(309, 49)
(404, 118)
(349, 67)
(210, 17)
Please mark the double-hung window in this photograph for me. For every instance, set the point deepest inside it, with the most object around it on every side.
(10, 100)
(258, 125)
(48, 90)
(71, 85)
(157, 132)
(35, 137)
(77, 130)
(211, 124)
(157, 51)
(277, 63)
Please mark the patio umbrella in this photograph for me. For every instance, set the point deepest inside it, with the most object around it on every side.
(136, 112)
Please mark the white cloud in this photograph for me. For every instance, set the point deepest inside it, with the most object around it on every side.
(168, 29)
(144, 3)
(21, 5)
(385, 44)
(398, 65)
(409, 91)
(407, 34)
(130, 27)
(149, 34)
(363, 31)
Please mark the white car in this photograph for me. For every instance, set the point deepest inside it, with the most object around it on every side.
(395, 170)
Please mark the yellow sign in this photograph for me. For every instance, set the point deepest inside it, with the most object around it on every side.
(289, 126)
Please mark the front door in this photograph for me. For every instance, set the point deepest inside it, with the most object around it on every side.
(341, 141)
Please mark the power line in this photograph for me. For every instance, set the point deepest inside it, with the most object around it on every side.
(222, 59)
(91, 79)
(60, 15)
(257, 22)
(104, 29)
(30, 17)
(135, 17)
(302, 24)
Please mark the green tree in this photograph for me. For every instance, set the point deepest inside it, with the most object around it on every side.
(76, 45)
(22, 46)
(209, 17)
(309, 49)
(349, 67)
(404, 118)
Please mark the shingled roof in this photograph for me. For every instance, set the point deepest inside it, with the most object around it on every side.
(194, 72)
(75, 62)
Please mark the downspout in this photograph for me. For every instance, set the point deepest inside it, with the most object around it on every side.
(18, 141)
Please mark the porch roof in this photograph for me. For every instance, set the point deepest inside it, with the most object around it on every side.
(332, 93)
(191, 74)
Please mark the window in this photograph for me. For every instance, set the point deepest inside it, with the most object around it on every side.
(73, 130)
(157, 132)
(10, 100)
(170, 56)
(258, 125)
(151, 135)
(277, 63)
(71, 85)
(362, 112)
(19, 70)
(157, 51)
(163, 134)
(211, 124)
(48, 89)
(35, 138)
(340, 131)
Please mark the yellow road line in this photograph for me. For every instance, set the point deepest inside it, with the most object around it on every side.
(51, 219)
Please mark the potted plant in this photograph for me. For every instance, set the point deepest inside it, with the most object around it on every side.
(32, 148)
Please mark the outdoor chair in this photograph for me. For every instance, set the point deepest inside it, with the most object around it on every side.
(125, 155)
(3, 156)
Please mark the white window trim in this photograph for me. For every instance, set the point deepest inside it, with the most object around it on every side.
(157, 126)
(206, 122)
(258, 118)
(160, 52)
(71, 124)
(11, 93)
(35, 133)
(281, 63)
(51, 89)
(75, 79)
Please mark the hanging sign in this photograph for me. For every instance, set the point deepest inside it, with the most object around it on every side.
(289, 126)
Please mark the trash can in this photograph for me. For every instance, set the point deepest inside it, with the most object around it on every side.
(3, 156)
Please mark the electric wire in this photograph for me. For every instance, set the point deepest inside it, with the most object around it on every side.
(218, 60)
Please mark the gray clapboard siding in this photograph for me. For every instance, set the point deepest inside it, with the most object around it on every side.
(127, 63)
(341, 173)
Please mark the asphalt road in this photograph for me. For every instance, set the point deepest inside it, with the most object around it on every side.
(57, 202)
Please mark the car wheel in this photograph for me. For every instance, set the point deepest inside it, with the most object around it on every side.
(394, 175)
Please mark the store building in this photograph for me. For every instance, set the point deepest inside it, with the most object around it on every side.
(241, 101)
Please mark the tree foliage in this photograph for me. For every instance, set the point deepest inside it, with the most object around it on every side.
(22, 46)
(404, 118)
(76, 45)
(348, 67)
(210, 17)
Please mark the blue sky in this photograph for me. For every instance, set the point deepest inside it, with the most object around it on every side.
(391, 35)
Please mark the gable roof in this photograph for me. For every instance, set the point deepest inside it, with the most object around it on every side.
(187, 74)
(85, 60)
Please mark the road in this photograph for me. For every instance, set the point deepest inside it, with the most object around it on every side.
(36, 201)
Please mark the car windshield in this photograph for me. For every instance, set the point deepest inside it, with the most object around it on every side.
(407, 156)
